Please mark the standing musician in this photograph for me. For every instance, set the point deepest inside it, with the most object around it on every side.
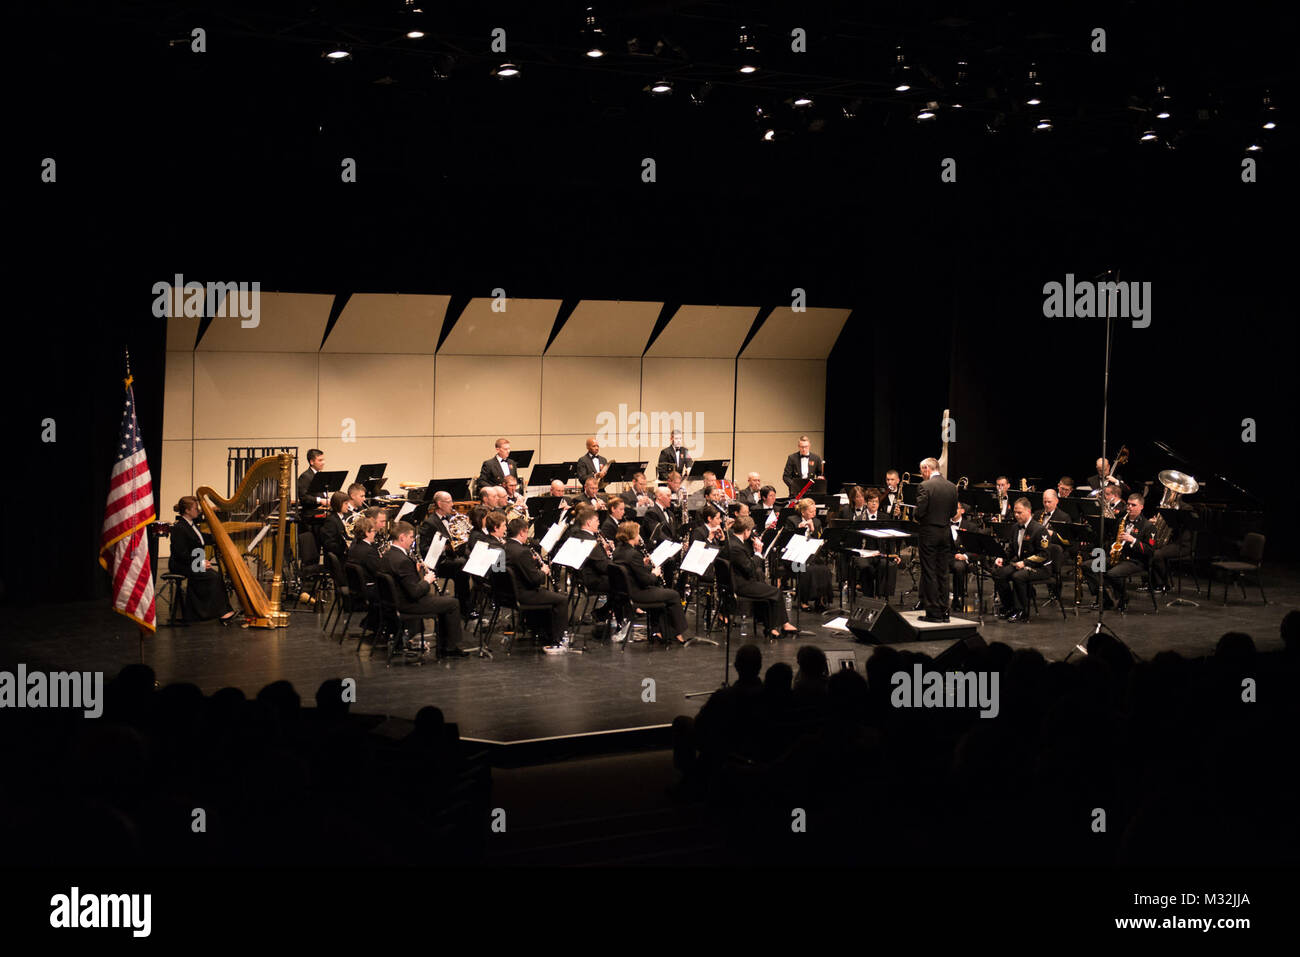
(814, 582)
(415, 594)
(1027, 560)
(645, 583)
(1005, 508)
(673, 458)
(936, 504)
(310, 503)
(532, 577)
(751, 493)
(801, 466)
(592, 463)
(495, 469)
(615, 509)
(1137, 545)
(365, 555)
(638, 494)
(205, 589)
(747, 579)
(960, 560)
(334, 532)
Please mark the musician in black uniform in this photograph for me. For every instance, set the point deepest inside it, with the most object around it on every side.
(593, 463)
(495, 469)
(960, 560)
(308, 504)
(451, 564)
(1179, 545)
(639, 493)
(660, 519)
(1027, 561)
(751, 494)
(1102, 477)
(365, 555)
(595, 570)
(333, 533)
(712, 532)
(646, 583)
(415, 594)
(814, 582)
(936, 504)
(673, 458)
(801, 466)
(1004, 505)
(1137, 547)
(874, 575)
(205, 589)
(891, 498)
(532, 578)
(747, 578)
(615, 509)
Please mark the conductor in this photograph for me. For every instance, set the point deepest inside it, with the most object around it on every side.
(936, 504)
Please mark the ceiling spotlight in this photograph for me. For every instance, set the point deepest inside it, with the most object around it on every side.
(1253, 148)
(337, 53)
(802, 101)
(660, 87)
(746, 51)
(1270, 113)
(506, 70)
(414, 34)
(927, 112)
(593, 35)
(1044, 124)
(1163, 105)
(1034, 87)
(1149, 136)
(769, 136)
(902, 73)
(959, 86)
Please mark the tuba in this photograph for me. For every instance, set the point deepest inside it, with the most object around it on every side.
(1177, 484)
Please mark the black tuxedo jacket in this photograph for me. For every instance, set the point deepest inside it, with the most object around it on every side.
(793, 476)
(520, 558)
(411, 586)
(744, 563)
(334, 536)
(1031, 549)
(936, 501)
(609, 527)
(670, 460)
(306, 508)
(631, 559)
(596, 566)
(491, 474)
(366, 555)
(586, 466)
(184, 539)
(747, 497)
(657, 525)
(965, 525)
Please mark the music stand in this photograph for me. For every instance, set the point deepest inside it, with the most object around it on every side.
(981, 546)
(836, 536)
(369, 473)
(547, 472)
(717, 466)
(326, 483)
(457, 488)
(1179, 519)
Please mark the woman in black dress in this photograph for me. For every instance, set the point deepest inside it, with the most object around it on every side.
(815, 580)
(205, 589)
(645, 583)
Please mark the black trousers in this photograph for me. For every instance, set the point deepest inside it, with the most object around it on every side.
(935, 545)
(1117, 575)
(1013, 584)
(453, 568)
(676, 615)
(559, 610)
(959, 569)
(444, 610)
(1160, 563)
(814, 583)
(769, 603)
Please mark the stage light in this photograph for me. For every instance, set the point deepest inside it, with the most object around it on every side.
(414, 34)
(1270, 113)
(927, 112)
(902, 73)
(1044, 125)
(1163, 104)
(1253, 148)
(769, 136)
(1149, 136)
(660, 87)
(1033, 87)
(593, 34)
(959, 86)
(506, 70)
(746, 52)
(337, 53)
(802, 101)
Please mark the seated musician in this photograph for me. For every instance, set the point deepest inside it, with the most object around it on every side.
(205, 588)
(557, 491)
(645, 583)
(379, 515)
(333, 531)
(639, 494)
(1111, 501)
(615, 509)
(960, 564)
(1052, 512)
(451, 564)
(1102, 478)
(713, 533)
(415, 594)
(356, 498)
(751, 493)
(593, 463)
(1027, 561)
(767, 502)
(477, 530)
(1065, 487)
(892, 498)
(590, 494)
(532, 581)
(710, 483)
(364, 553)
(814, 582)
(595, 570)
(874, 575)
(716, 501)
(515, 499)
(747, 579)
(1137, 545)
(660, 519)
(675, 492)
(1179, 545)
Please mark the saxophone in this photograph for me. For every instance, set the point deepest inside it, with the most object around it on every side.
(1117, 549)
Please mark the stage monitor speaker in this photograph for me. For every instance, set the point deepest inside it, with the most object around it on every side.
(958, 653)
(875, 620)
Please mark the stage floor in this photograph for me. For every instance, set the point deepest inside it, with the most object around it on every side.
(529, 695)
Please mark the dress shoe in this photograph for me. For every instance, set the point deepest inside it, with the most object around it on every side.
(1018, 616)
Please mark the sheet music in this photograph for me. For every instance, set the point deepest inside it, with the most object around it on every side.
(884, 532)
(405, 510)
(699, 558)
(435, 550)
(865, 552)
(800, 549)
(574, 552)
(665, 551)
(260, 535)
(552, 536)
(481, 559)
(837, 624)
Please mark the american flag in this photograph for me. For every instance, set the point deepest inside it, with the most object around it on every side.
(123, 548)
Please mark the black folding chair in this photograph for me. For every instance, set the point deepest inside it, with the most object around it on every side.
(358, 600)
(396, 627)
(619, 574)
(1250, 561)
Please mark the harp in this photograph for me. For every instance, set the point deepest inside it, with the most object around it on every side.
(266, 480)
